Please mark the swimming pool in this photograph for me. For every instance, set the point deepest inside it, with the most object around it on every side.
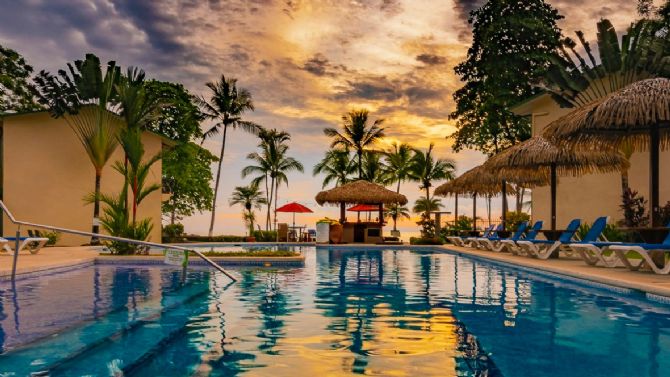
(375, 312)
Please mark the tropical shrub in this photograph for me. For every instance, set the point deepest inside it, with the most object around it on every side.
(115, 220)
(515, 218)
(265, 236)
(173, 232)
(634, 208)
(52, 236)
(463, 223)
(425, 241)
(665, 214)
(427, 226)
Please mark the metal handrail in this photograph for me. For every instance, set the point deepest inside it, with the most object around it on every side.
(104, 236)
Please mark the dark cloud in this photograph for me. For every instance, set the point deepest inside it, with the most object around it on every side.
(317, 65)
(371, 88)
(431, 59)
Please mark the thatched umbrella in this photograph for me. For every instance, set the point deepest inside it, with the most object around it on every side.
(484, 181)
(638, 114)
(538, 154)
(360, 192)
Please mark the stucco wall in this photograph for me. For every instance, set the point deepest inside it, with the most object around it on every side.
(47, 174)
(589, 196)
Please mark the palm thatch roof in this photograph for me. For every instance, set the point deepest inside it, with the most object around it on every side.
(484, 181)
(360, 192)
(538, 153)
(624, 115)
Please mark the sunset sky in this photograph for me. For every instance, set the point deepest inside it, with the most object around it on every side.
(305, 63)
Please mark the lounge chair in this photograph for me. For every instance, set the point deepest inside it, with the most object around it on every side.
(32, 244)
(543, 249)
(511, 245)
(496, 244)
(623, 251)
(493, 235)
(596, 252)
(464, 241)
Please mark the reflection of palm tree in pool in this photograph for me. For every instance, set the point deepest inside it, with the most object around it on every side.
(352, 300)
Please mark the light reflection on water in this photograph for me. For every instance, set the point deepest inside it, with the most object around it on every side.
(386, 313)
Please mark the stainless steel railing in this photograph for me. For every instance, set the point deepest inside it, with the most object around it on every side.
(103, 236)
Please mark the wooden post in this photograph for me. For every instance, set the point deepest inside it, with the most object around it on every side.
(381, 214)
(504, 204)
(438, 220)
(474, 212)
(342, 212)
(455, 209)
(553, 196)
(654, 179)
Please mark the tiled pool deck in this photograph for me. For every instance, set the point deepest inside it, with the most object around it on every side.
(62, 258)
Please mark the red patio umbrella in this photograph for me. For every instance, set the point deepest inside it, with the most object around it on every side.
(364, 208)
(294, 208)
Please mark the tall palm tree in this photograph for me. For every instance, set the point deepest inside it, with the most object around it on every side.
(357, 134)
(86, 98)
(396, 212)
(337, 167)
(399, 164)
(249, 197)
(373, 167)
(426, 169)
(423, 205)
(226, 106)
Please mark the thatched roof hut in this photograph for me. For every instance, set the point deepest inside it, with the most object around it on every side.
(482, 180)
(539, 153)
(638, 115)
(360, 192)
(626, 115)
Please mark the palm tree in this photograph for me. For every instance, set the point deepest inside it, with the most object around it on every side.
(273, 163)
(356, 134)
(249, 197)
(423, 205)
(226, 106)
(426, 169)
(337, 166)
(373, 167)
(399, 165)
(86, 99)
(396, 212)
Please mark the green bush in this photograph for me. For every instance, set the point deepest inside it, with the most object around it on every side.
(265, 236)
(193, 238)
(665, 214)
(173, 232)
(53, 236)
(425, 241)
(514, 219)
(462, 223)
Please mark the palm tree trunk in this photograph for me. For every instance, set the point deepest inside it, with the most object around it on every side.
(96, 209)
(173, 216)
(624, 181)
(360, 163)
(272, 191)
(216, 184)
(267, 199)
(398, 189)
(276, 197)
(395, 219)
(428, 202)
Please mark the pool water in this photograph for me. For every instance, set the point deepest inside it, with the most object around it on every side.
(371, 312)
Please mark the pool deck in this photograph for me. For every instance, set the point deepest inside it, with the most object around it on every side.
(63, 258)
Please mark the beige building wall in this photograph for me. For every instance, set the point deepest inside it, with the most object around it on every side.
(47, 173)
(588, 196)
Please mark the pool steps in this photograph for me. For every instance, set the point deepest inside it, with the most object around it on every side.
(155, 321)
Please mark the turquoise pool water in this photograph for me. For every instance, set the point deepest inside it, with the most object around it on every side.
(386, 313)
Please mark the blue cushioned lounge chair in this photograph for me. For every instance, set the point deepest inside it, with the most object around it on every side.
(32, 244)
(496, 243)
(464, 241)
(624, 251)
(543, 249)
(512, 246)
